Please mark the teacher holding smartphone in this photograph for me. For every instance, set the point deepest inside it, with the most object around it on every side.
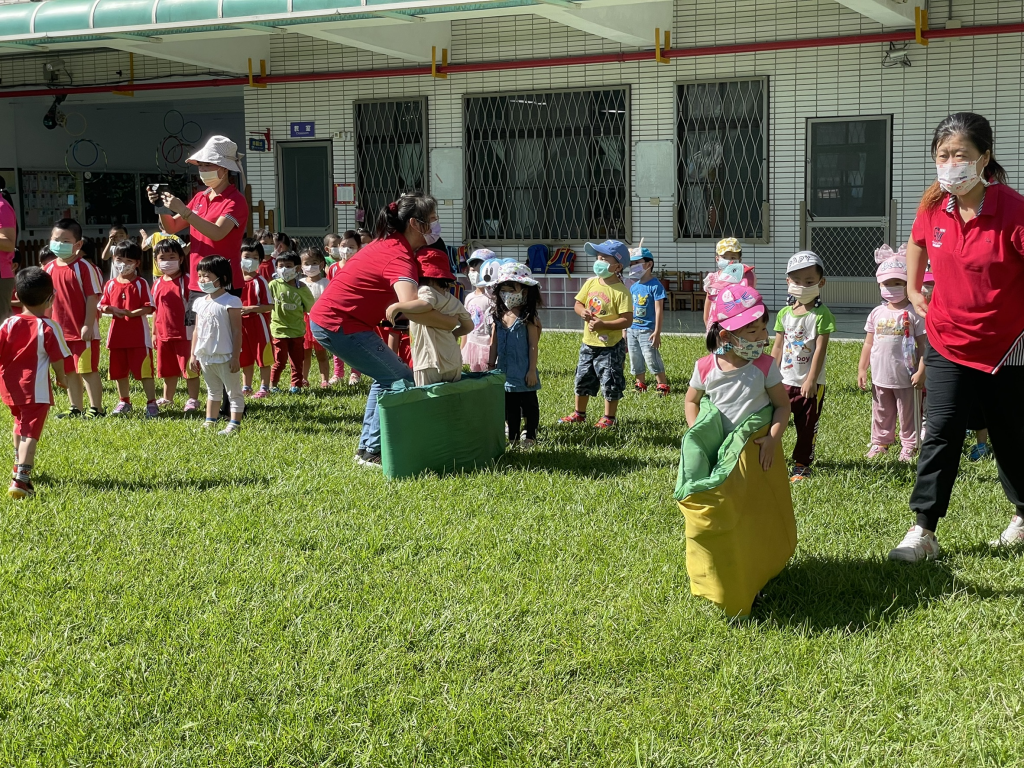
(8, 243)
(216, 216)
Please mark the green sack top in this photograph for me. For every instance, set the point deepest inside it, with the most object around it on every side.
(708, 456)
(403, 393)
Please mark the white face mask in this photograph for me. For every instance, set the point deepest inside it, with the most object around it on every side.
(513, 298)
(748, 350)
(286, 273)
(636, 271)
(122, 269)
(805, 294)
(722, 263)
(958, 178)
(248, 265)
(167, 267)
(209, 287)
(210, 178)
(311, 270)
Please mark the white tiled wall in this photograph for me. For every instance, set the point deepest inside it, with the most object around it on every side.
(982, 74)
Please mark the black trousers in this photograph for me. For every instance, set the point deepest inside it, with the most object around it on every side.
(522, 406)
(954, 391)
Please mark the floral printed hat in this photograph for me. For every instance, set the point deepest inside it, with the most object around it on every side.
(514, 272)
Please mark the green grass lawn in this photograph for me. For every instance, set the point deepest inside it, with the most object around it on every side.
(173, 598)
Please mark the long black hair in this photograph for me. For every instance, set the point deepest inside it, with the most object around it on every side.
(714, 337)
(977, 130)
(395, 217)
(3, 191)
(531, 306)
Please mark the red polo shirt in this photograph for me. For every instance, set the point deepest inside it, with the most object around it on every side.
(210, 206)
(975, 315)
(358, 298)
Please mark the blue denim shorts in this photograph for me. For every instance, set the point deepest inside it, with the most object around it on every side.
(601, 368)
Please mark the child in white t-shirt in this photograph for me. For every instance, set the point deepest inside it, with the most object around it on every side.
(894, 348)
(476, 345)
(737, 376)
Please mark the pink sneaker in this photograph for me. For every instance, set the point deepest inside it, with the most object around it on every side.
(191, 406)
(354, 379)
(907, 455)
(324, 384)
(875, 451)
(260, 394)
(334, 380)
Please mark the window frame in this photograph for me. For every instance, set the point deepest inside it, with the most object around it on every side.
(765, 80)
(371, 216)
(627, 162)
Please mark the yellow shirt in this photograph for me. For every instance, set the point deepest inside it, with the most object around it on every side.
(608, 302)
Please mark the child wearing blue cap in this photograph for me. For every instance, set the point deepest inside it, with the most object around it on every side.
(607, 310)
(644, 337)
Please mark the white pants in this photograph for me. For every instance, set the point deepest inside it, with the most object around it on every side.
(219, 378)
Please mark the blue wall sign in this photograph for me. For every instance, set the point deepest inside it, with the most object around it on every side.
(303, 130)
(257, 145)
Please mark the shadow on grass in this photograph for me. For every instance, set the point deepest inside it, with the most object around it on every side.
(822, 594)
(575, 462)
(171, 484)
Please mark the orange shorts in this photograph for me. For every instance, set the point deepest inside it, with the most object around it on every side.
(29, 419)
(137, 361)
(85, 357)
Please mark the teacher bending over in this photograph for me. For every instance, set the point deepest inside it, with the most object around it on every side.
(356, 301)
(970, 225)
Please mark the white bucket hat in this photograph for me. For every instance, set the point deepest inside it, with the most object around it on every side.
(219, 150)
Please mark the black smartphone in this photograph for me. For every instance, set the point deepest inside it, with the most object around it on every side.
(161, 189)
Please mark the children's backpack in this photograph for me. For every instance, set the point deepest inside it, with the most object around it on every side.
(537, 258)
(562, 262)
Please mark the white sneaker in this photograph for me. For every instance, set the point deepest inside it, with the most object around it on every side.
(1013, 535)
(918, 544)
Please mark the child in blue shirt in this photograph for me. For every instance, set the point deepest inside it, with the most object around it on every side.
(644, 337)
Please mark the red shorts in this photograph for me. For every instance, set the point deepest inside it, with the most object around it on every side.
(255, 351)
(172, 359)
(309, 342)
(137, 361)
(85, 357)
(29, 419)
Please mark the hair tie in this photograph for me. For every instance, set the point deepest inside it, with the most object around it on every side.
(393, 207)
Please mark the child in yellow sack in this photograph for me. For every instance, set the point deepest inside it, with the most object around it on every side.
(733, 487)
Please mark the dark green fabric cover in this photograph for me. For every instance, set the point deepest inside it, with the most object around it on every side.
(708, 456)
(443, 427)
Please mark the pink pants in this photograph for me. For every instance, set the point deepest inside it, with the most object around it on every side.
(886, 404)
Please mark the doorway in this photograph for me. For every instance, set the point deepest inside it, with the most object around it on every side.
(306, 174)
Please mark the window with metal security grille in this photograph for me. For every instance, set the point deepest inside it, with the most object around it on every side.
(849, 211)
(547, 165)
(721, 160)
(391, 151)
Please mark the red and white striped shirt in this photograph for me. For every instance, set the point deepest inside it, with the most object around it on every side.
(28, 346)
(255, 293)
(73, 283)
(128, 332)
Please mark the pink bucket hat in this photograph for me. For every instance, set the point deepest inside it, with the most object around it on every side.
(928, 276)
(891, 264)
(736, 306)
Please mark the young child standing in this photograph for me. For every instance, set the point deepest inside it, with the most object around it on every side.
(29, 344)
(607, 311)
(802, 330)
(217, 342)
(127, 299)
(173, 337)
(77, 286)
(292, 302)
(436, 355)
(737, 376)
(728, 251)
(257, 305)
(896, 369)
(476, 345)
(314, 265)
(513, 350)
(644, 337)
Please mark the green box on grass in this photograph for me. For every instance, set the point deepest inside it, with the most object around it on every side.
(443, 427)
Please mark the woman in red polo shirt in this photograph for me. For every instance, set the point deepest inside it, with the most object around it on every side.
(356, 301)
(8, 240)
(216, 218)
(970, 225)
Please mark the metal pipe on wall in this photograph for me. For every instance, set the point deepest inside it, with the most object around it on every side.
(562, 61)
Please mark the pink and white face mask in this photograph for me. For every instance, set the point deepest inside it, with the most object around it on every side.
(958, 178)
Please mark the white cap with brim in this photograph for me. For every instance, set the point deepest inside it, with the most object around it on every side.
(219, 150)
(481, 255)
(804, 259)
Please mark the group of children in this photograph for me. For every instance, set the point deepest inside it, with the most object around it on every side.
(234, 330)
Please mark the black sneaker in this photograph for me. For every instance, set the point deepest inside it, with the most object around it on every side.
(95, 413)
(360, 454)
(71, 413)
(370, 459)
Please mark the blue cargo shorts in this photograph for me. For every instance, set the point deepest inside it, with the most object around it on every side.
(601, 368)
